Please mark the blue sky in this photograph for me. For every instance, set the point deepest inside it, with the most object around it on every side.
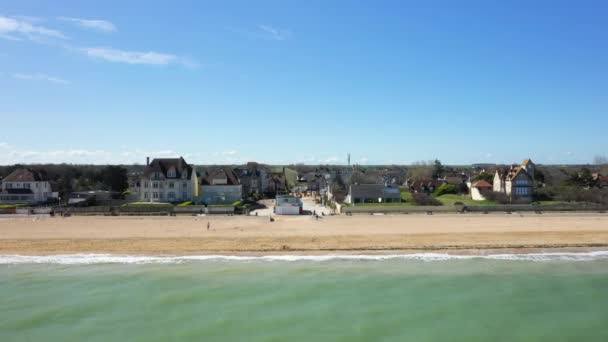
(303, 81)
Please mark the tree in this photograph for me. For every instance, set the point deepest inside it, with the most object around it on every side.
(582, 179)
(485, 176)
(438, 169)
(114, 178)
(419, 170)
(446, 189)
(600, 160)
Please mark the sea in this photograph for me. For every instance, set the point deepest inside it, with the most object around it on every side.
(415, 297)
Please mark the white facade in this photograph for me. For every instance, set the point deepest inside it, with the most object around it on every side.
(168, 180)
(161, 189)
(40, 192)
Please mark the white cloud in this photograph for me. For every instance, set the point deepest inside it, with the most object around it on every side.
(95, 24)
(40, 77)
(135, 57)
(275, 33)
(17, 29)
(226, 153)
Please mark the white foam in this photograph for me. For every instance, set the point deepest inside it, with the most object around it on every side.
(86, 259)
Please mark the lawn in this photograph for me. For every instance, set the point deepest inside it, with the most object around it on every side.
(450, 199)
(143, 204)
(402, 204)
(11, 206)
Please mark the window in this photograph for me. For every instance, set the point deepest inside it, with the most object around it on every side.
(171, 185)
(145, 184)
(155, 185)
(161, 196)
(145, 195)
(155, 195)
(171, 196)
(184, 185)
(37, 184)
(9, 185)
(184, 195)
(26, 185)
(171, 174)
(157, 175)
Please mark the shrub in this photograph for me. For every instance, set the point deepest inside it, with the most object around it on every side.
(497, 197)
(445, 189)
(424, 199)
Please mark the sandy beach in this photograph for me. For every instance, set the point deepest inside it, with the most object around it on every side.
(303, 234)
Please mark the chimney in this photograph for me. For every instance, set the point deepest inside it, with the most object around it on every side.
(147, 161)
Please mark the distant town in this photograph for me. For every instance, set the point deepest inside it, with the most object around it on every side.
(240, 188)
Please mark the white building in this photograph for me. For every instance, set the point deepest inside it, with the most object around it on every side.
(478, 188)
(288, 205)
(168, 180)
(26, 186)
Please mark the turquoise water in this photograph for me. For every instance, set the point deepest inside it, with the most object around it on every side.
(306, 300)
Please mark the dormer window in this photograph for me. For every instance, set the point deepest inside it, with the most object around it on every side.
(171, 174)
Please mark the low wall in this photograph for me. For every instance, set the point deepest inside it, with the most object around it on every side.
(473, 209)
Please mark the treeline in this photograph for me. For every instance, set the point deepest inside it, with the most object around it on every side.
(66, 178)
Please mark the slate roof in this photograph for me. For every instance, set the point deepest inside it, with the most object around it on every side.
(163, 165)
(26, 175)
(227, 173)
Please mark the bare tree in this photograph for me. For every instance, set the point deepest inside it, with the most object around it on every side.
(600, 160)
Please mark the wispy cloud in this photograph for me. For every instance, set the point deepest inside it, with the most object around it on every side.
(275, 33)
(19, 29)
(226, 153)
(135, 57)
(95, 24)
(40, 77)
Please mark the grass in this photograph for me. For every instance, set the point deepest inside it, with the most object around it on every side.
(185, 204)
(450, 199)
(402, 204)
(11, 206)
(143, 204)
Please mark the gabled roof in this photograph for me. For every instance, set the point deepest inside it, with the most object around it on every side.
(163, 165)
(231, 177)
(481, 184)
(26, 175)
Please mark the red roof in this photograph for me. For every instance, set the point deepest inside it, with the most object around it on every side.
(482, 184)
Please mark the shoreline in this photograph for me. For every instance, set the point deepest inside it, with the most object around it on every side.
(302, 235)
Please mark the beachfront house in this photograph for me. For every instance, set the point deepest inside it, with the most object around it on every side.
(254, 178)
(220, 186)
(372, 193)
(517, 182)
(26, 186)
(168, 180)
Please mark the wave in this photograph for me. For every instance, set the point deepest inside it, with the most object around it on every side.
(87, 259)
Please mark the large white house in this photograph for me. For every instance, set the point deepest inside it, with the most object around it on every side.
(168, 180)
(516, 182)
(26, 186)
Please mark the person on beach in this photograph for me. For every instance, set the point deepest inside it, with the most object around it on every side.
(208, 225)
